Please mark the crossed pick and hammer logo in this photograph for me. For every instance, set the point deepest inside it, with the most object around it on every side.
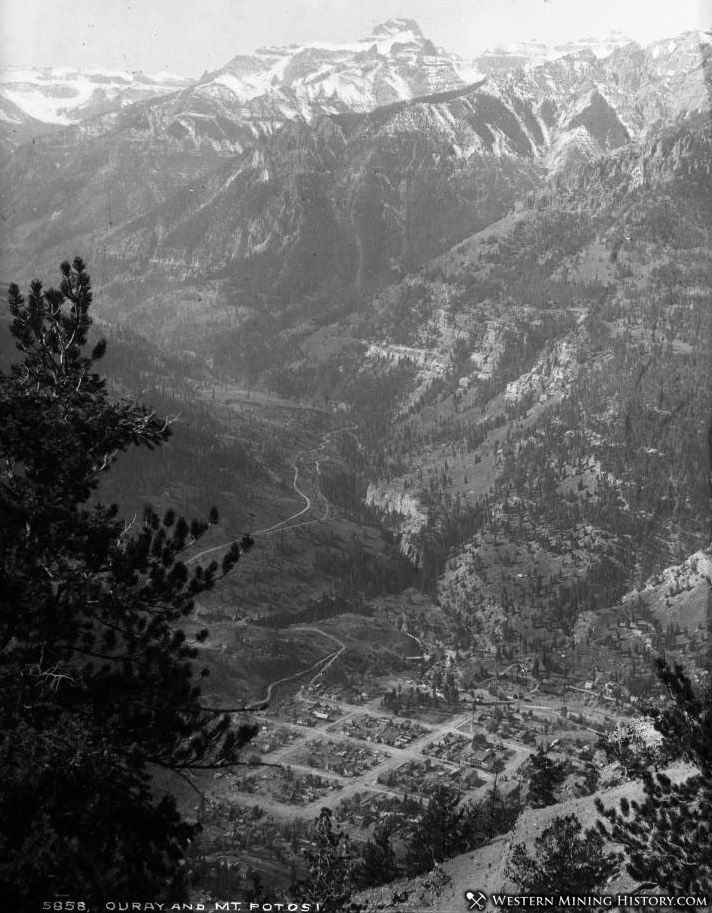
(477, 901)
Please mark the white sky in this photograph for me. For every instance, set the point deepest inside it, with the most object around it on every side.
(190, 36)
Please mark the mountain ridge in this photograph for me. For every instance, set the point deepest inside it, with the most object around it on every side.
(209, 199)
(396, 62)
(62, 95)
(448, 360)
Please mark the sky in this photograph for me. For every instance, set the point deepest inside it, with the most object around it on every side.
(187, 37)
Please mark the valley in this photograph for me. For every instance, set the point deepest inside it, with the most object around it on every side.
(438, 338)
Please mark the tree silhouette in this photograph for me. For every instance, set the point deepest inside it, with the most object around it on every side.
(99, 691)
(566, 860)
(545, 777)
(331, 878)
(378, 860)
(668, 836)
(444, 829)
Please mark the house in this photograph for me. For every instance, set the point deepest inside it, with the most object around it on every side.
(478, 758)
(471, 780)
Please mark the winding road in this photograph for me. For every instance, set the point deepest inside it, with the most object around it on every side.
(281, 524)
(324, 662)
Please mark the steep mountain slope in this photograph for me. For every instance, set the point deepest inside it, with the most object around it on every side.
(564, 434)
(252, 95)
(338, 202)
(485, 870)
(534, 404)
(447, 359)
(366, 192)
(398, 63)
(299, 259)
(587, 106)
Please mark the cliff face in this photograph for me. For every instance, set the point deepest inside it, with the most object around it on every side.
(551, 375)
(404, 513)
(354, 198)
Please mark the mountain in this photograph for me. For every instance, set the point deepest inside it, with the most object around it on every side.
(502, 59)
(254, 95)
(468, 247)
(447, 356)
(214, 215)
(227, 110)
(559, 356)
(17, 126)
(53, 95)
(364, 191)
(587, 105)
(394, 63)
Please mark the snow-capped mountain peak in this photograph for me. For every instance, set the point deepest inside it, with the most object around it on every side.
(398, 26)
(534, 53)
(395, 62)
(62, 95)
(396, 31)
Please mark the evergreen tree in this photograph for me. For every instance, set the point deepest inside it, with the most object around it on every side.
(545, 778)
(589, 784)
(566, 861)
(98, 685)
(668, 836)
(447, 827)
(332, 864)
(441, 832)
(378, 859)
(496, 813)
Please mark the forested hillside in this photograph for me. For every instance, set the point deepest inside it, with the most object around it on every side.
(442, 347)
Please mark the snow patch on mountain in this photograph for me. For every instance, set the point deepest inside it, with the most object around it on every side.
(396, 62)
(504, 58)
(60, 95)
